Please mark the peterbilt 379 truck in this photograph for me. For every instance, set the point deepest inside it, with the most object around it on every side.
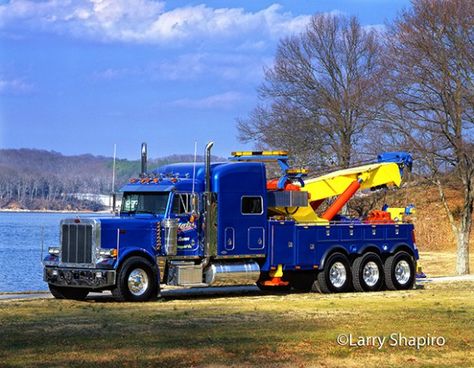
(226, 223)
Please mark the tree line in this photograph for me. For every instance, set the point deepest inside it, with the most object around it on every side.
(47, 180)
(339, 92)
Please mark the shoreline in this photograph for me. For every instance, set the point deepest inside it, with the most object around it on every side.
(7, 210)
(32, 292)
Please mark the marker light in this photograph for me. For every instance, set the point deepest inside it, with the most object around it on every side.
(108, 253)
(54, 251)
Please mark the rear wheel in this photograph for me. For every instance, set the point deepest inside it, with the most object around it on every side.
(399, 271)
(136, 281)
(68, 293)
(336, 275)
(367, 272)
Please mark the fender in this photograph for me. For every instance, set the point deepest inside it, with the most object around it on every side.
(328, 252)
(405, 247)
(372, 247)
(140, 252)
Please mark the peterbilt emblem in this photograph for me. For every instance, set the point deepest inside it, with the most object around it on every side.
(187, 226)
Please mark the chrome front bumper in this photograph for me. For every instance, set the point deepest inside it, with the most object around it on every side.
(79, 277)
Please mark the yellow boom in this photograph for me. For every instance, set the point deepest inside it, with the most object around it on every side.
(336, 183)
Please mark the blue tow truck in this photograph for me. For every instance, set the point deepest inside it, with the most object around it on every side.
(226, 223)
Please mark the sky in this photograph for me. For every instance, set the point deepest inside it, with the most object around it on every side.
(78, 76)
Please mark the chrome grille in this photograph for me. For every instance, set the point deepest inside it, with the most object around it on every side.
(76, 243)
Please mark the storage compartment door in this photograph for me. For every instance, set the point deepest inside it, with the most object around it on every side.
(256, 238)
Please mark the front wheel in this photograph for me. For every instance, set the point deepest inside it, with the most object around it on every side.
(399, 271)
(68, 292)
(136, 281)
(336, 275)
(367, 272)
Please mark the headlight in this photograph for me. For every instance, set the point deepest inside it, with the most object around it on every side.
(108, 253)
(54, 251)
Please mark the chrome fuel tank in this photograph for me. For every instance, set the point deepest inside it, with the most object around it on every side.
(241, 273)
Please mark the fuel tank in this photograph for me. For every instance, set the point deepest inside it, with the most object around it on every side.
(240, 273)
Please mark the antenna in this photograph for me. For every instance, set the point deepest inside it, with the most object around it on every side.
(114, 199)
(113, 169)
(194, 164)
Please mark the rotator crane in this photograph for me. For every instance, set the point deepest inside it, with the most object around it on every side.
(343, 184)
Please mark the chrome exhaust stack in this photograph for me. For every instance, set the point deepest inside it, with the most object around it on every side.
(208, 206)
(144, 158)
(208, 166)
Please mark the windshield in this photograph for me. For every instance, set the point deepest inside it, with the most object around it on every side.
(154, 203)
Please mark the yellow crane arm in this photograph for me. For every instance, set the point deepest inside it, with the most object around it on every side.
(336, 183)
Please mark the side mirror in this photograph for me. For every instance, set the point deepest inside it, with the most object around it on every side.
(195, 205)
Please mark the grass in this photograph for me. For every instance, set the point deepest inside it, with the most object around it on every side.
(257, 329)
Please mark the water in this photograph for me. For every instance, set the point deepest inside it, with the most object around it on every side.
(20, 248)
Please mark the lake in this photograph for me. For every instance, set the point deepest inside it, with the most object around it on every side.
(20, 247)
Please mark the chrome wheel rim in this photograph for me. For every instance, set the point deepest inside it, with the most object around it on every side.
(370, 273)
(402, 272)
(337, 274)
(138, 282)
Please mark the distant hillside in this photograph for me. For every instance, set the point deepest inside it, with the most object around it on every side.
(39, 179)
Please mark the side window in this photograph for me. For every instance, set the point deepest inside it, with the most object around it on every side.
(182, 203)
(252, 205)
(131, 203)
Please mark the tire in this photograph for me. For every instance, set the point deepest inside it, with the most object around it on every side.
(302, 281)
(68, 292)
(368, 272)
(341, 268)
(136, 281)
(399, 270)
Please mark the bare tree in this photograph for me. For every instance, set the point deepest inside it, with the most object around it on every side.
(321, 93)
(430, 60)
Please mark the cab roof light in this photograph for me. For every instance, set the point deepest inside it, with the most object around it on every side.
(259, 153)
